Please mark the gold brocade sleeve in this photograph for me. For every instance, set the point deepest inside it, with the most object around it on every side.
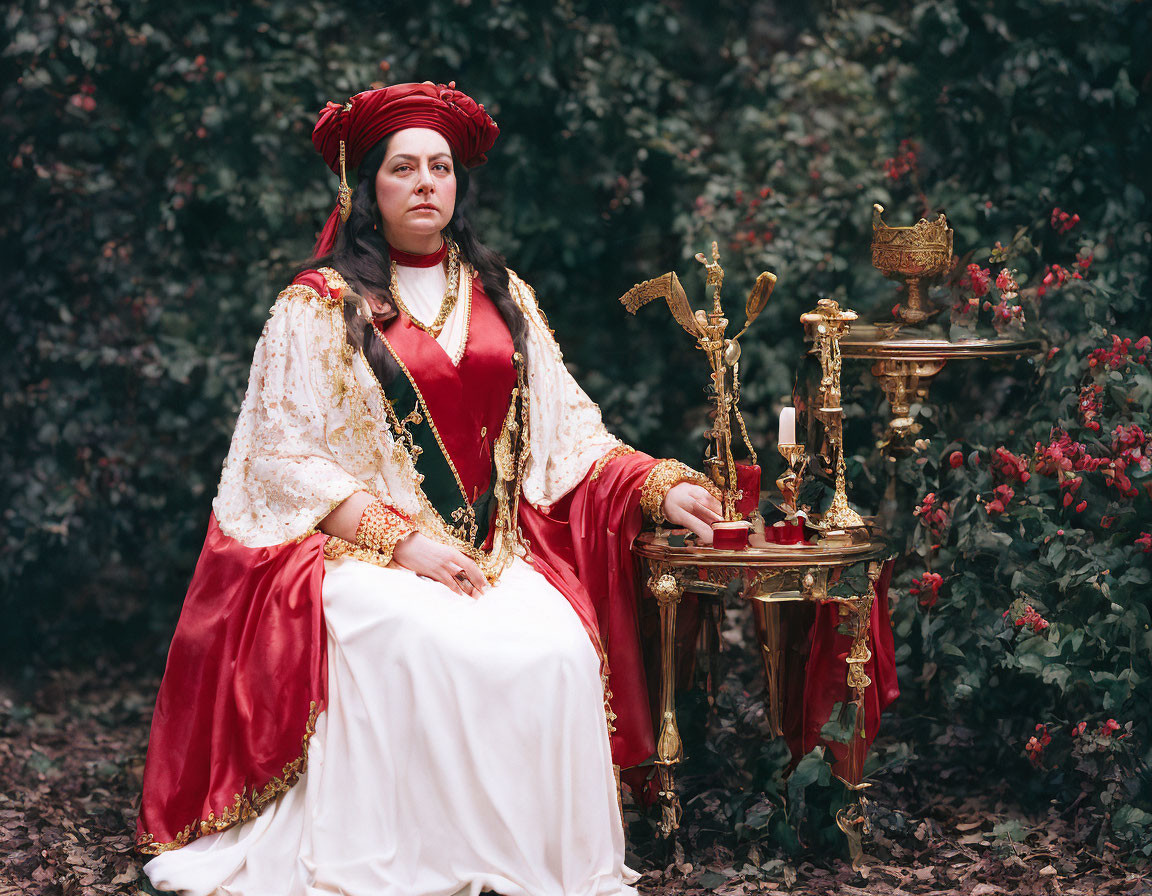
(661, 479)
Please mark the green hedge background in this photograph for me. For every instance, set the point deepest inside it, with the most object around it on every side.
(161, 188)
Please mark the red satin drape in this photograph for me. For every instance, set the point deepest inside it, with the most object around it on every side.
(824, 683)
(246, 674)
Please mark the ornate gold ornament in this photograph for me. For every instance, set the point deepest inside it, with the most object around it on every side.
(723, 356)
(344, 194)
(912, 254)
(789, 481)
(826, 326)
(451, 293)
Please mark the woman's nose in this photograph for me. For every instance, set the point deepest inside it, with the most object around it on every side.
(424, 183)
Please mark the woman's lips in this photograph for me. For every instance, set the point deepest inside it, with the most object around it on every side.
(425, 208)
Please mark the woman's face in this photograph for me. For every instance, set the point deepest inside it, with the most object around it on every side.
(416, 190)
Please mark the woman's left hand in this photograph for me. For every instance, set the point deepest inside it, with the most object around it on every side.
(693, 507)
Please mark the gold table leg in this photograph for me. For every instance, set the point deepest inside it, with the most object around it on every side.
(668, 589)
(767, 616)
(852, 819)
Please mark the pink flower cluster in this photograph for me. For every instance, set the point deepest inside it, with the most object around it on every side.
(1002, 496)
(1128, 449)
(1062, 221)
(1090, 405)
(1107, 729)
(1062, 455)
(1117, 355)
(977, 280)
(1056, 276)
(904, 162)
(974, 285)
(1010, 466)
(1031, 618)
(85, 99)
(750, 205)
(1034, 749)
(933, 514)
(1144, 542)
(1004, 313)
(927, 588)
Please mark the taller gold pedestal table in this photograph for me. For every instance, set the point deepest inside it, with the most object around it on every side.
(768, 574)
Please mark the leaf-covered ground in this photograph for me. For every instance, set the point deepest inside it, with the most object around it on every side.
(72, 749)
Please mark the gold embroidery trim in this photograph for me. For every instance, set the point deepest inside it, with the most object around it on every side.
(337, 285)
(469, 515)
(466, 275)
(661, 479)
(618, 451)
(381, 528)
(248, 803)
(515, 456)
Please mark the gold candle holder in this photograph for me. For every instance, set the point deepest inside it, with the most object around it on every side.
(723, 357)
(790, 480)
(827, 324)
(912, 254)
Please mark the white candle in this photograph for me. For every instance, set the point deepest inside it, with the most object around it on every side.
(787, 426)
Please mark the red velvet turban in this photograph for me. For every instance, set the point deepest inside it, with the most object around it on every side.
(374, 114)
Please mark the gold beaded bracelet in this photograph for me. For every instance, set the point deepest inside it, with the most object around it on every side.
(381, 529)
(661, 479)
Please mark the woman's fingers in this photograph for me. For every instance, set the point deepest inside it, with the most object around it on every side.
(702, 530)
(707, 499)
(474, 576)
(705, 512)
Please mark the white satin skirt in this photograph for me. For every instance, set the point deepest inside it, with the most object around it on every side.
(463, 748)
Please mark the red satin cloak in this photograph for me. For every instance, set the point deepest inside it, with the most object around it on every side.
(246, 675)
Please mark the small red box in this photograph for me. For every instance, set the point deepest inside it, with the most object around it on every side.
(785, 532)
(731, 536)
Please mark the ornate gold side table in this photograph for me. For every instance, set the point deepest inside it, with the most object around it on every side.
(768, 574)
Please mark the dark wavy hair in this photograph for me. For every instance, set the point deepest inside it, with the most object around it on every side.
(361, 256)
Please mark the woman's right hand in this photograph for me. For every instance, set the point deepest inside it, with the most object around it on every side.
(441, 563)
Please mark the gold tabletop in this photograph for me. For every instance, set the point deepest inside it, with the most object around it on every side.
(655, 547)
(871, 341)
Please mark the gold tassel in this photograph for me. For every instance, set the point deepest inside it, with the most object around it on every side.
(344, 195)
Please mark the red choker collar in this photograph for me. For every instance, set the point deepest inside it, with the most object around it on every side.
(419, 261)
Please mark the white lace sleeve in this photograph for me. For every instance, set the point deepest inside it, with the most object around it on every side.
(566, 430)
(294, 454)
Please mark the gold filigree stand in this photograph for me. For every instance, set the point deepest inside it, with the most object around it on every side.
(769, 575)
(723, 353)
(827, 326)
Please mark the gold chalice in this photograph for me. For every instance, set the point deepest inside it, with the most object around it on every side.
(920, 252)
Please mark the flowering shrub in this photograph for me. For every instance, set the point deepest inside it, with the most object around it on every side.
(1036, 521)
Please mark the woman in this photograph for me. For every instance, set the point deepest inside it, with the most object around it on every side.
(417, 577)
